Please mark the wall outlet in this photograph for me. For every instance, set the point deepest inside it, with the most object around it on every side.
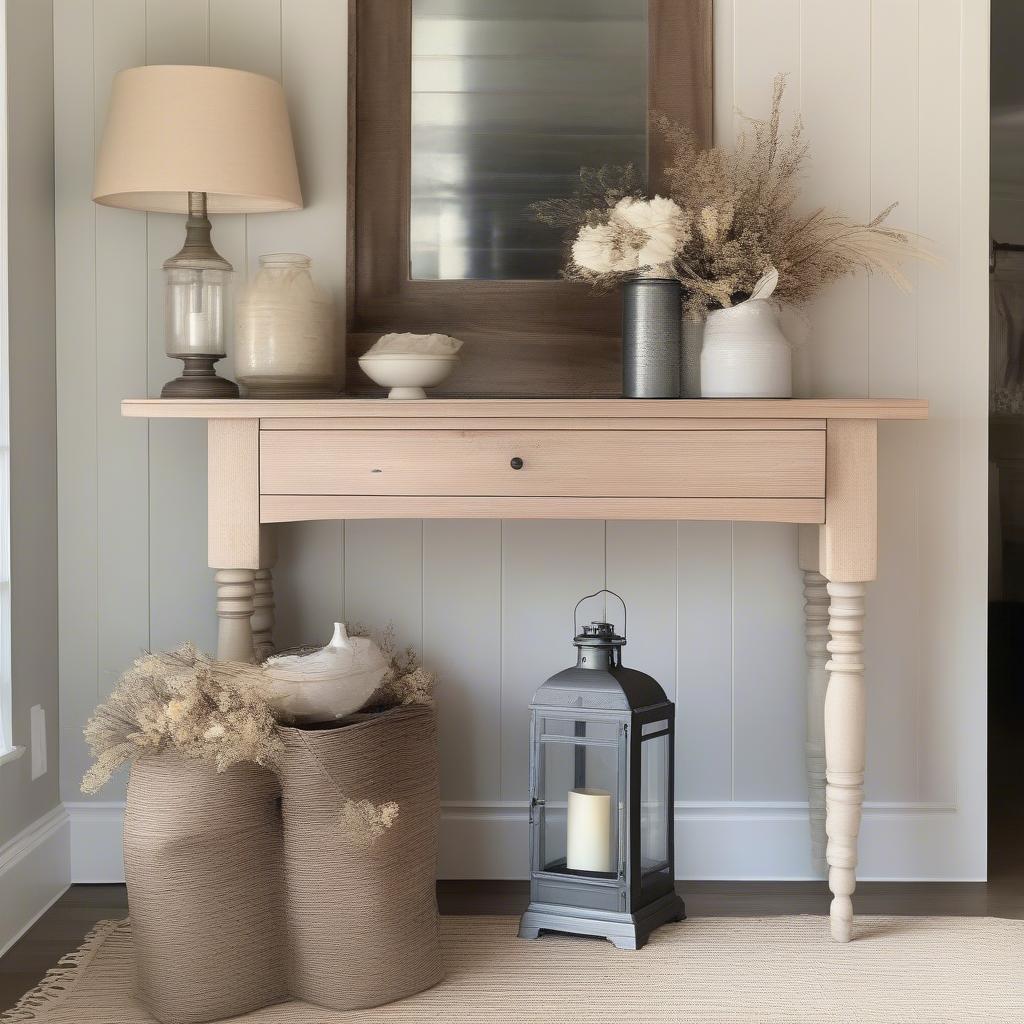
(38, 740)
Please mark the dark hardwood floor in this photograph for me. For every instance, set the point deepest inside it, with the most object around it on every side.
(63, 927)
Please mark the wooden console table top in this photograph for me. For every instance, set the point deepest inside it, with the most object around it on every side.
(518, 408)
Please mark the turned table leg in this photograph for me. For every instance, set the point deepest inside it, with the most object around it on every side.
(847, 558)
(263, 616)
(844, 748)
(237, 545)
(816, 632)
(235, 592)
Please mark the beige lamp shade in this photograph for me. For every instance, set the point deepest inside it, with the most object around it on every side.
(174, 129)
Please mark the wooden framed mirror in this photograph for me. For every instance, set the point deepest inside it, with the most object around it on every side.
(462, 113)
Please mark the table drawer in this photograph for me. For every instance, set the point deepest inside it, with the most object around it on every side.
(554, 463)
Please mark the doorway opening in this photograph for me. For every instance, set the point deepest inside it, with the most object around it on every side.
(1006, 450)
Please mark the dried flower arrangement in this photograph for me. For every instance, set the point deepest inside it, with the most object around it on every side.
(730, 216)
(218, 712)
(406, 681)
(215, 711)
(182, 699)
(364, 821)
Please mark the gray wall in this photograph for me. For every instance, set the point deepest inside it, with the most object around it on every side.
(889, 94)
(33, 406)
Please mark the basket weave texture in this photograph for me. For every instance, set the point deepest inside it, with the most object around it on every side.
(246, 886)
(202, 859)
(361, 918)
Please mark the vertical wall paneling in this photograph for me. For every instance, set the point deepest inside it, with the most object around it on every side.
(895, 80)
(176, 31)
(724, 98)
(546, 567)
(315, 76)
(121, 319)
(704, 661)
(893, 635)
(309, 583)
(182, 595)
(765, 42)
(968, 696)
(893, 602)
(835, 96)
(384, 577)
(641, 568)
(246, 34)
(938, 306)
(715, 608)
(29, 419)
(314, 70)
(462, 644)
(768, 692)
(78, 450)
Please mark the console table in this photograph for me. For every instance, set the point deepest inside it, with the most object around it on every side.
(788, 461)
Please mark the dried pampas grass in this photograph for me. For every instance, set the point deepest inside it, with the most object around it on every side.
(363, 822)
(182, 699)
(406, 681)
(739, 207)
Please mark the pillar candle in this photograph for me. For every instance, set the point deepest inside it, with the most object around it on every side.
(589, 839)
(200, 333)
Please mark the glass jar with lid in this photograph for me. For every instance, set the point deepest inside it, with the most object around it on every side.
(284, 339)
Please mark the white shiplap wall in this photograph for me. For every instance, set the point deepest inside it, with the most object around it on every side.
(892, 98)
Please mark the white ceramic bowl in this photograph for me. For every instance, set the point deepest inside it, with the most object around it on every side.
(324, 685)
(407, 375)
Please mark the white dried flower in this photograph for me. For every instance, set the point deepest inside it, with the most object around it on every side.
(595, 250)
(215, 732)
(640, 235)
(660, 222)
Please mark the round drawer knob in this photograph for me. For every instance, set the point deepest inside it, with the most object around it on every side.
(516, 463)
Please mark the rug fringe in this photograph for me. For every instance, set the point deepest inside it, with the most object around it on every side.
(59, 980)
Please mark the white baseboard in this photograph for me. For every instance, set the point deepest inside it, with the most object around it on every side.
(35, 871)
(97, 830)
(727, 841)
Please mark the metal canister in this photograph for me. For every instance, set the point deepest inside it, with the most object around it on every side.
(651, 338)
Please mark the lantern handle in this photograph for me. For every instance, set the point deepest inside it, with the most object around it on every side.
(575, 627)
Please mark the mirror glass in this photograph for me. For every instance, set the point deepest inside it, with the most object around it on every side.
(510, 99)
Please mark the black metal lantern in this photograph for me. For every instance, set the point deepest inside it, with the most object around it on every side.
(601, 797)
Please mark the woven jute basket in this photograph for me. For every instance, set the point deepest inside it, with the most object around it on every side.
(361, 909)
(202, 859)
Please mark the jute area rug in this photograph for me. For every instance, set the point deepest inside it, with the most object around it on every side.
(779, 969)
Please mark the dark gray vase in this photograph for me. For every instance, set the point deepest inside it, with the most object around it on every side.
(651, 338)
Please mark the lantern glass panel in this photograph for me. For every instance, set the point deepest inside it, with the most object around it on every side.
(655, 814)
(579, 796)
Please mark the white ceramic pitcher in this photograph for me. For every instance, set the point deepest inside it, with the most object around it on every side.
(745, 353)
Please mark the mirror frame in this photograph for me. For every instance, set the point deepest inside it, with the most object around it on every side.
(522, 338)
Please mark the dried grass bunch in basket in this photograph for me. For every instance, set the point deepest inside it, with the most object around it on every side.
(216, 711)
(183, 700)
(406, 681)
(730, 216)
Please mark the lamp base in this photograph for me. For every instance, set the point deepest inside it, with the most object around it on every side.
(199, 380)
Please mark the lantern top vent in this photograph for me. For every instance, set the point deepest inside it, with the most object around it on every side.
(598, 681)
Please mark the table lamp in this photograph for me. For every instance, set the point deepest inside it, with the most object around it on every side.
(197, 140)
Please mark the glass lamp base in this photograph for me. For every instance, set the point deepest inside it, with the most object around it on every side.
(199, 380)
